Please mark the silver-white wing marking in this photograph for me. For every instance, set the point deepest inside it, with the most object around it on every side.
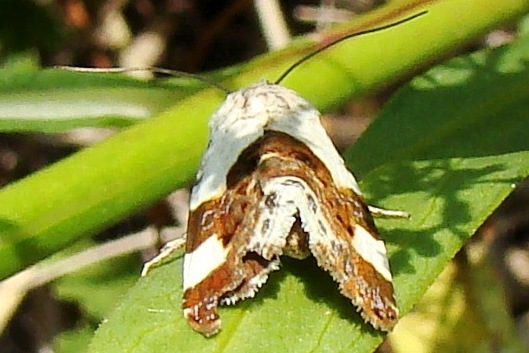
(201, 262)
(293, 195)
(275, 220)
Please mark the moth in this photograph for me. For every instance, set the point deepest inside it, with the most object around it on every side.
(271, 183)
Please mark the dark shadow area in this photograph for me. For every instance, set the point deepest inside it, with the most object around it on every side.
(452, 190)
(318, 286)
(428, 142)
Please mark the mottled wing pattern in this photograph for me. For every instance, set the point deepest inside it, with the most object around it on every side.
(218, 267)
(339, 228)
(272, 183)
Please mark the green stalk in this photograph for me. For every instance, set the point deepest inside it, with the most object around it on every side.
(99, 186)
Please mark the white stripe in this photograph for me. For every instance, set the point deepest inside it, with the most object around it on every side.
(202, 261)
(372, 250)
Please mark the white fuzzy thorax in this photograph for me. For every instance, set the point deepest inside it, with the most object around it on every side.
(244, 117)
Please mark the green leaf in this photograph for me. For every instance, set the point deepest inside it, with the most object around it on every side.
(73, 341)
(458, 139)
(491, 118)
(447, 149)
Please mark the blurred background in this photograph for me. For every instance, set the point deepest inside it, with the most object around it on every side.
(58, 310)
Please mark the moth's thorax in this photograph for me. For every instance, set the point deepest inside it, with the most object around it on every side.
(262, 104)
(246, 116)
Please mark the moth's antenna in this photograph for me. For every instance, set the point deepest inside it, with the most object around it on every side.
(157, 70)
(357, 34)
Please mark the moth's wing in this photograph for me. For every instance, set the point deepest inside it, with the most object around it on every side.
(345, 242)
(207, 273)
(276, 215)
(341, 232)
(224, 259)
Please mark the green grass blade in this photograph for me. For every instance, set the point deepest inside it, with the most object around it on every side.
(55, 100)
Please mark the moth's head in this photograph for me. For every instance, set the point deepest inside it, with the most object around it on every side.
(259, 105)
